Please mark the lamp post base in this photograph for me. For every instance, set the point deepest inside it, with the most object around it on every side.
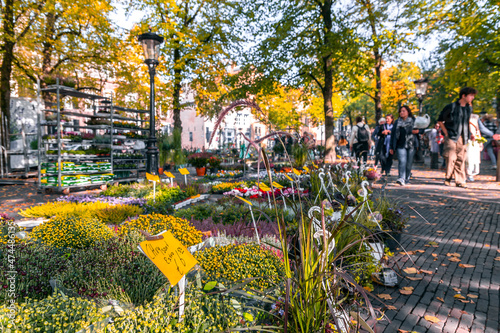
(152, 157)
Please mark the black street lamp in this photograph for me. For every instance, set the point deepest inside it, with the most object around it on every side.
(421, 90)
(151, 45)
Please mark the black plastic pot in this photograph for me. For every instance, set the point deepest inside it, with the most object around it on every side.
(393, 240)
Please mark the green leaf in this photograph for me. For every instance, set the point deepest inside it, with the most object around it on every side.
(210, 285)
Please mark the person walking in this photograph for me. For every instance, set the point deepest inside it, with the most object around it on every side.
(360, 139)
(434, 139)
(474, 148)
(491, 128)
(376, 135)
(402, 142)
(384, 143)
(454, 121)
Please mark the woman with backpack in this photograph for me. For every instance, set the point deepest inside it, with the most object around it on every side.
(403, 142)
(360, 139)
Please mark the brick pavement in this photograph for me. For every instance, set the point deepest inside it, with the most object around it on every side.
(444, 221)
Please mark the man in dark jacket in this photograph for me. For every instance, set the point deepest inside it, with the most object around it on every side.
(454, 121)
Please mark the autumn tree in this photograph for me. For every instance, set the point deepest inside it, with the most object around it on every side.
(301, 44)
(198, 38)
(16, 21)
(70, 38)
(385, 29)
(469, 48)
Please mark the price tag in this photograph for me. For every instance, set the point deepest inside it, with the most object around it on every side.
(169, 174)
(170, 256)
(278, 186)
(297, 172)
(289, 178)
(306, 168)
(184, 171)
(264, 187)
(153, 178)
(244, 200)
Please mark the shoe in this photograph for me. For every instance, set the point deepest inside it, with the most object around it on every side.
(400, 182)
(447, 182)
(494, 167)
(407, 182)
(470, 179)
(462, 185)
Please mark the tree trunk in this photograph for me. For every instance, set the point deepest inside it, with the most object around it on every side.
(177, 90)
(378, 85)
(7, 50)
(327, 90)
(47, 54)
(498, 107)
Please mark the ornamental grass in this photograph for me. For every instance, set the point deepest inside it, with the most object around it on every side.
(235, 263)
(154, 223)
(76, 232)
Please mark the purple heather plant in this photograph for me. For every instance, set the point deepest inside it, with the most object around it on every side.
(111, 200)
(240, 228)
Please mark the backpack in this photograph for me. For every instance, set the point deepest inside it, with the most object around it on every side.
(363, 135)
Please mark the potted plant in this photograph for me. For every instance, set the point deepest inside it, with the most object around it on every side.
(393, 222)
(199, 161)
(214, 162)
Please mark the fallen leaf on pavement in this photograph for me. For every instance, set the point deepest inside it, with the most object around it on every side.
(433, 243)
(454, 254)
(391, 307)
(406, 290)
(414, 278)
(486, 245)
(440, 299)
(426, 272)
(432, 319)
(472, 296)
(444, 265)
(454, 259)
(434, 254)
(457, 240)
(410, 270)
(440, 232)
(466, 266)
(420, 251)
(459, 296)
(497, 259)
(464, 301)
(384, 296)
(457, 289)
(484, 230)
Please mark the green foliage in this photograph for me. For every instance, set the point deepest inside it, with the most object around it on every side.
(51, 314)
(165, 198)
(136, 190)
(393, 217)
(66, 231)
(299, 152)
(36, 264)
(235, 263)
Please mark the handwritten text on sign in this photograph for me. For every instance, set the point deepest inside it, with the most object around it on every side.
(170, 256)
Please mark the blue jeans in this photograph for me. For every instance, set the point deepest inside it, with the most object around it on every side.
(405, 158)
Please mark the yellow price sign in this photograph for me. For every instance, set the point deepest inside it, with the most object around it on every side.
(153, 178)
(195, 196)
(169, 174)
(297, 172)
(289, 178)
(264, 187)
(315, 166)
(170, 256)
(184, 171)
(306, 168)
(278, 186)
(244, 200)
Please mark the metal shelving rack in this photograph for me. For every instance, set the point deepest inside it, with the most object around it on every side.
(139, 170)
(105, 103)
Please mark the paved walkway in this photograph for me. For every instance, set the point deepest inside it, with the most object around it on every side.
(453, 242)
